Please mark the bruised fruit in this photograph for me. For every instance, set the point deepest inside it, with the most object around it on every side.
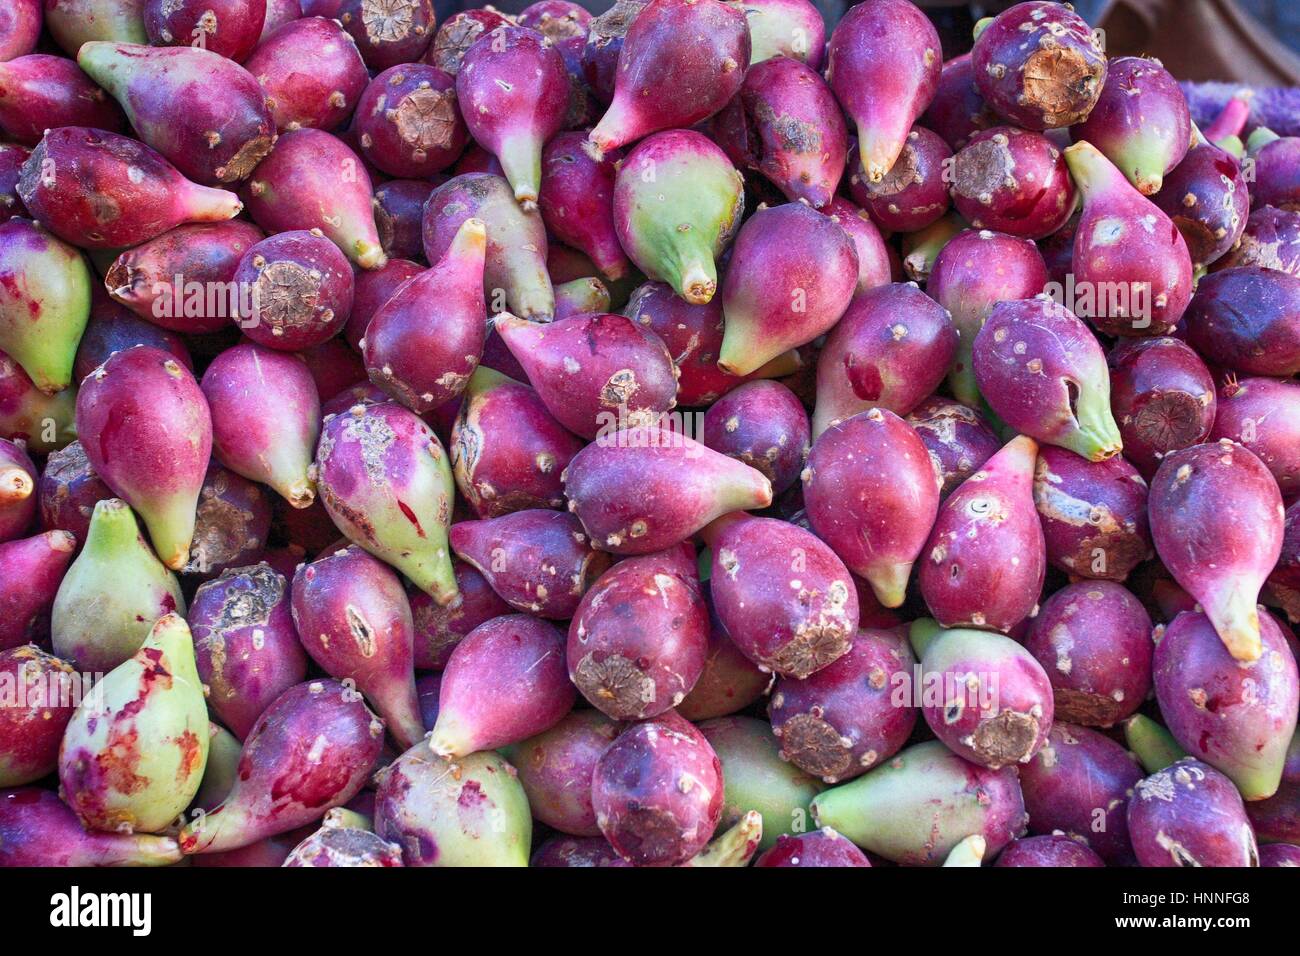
(1207, 197)
(1012, 181)
(958, 438)
(439, 629)
(299, 289)
(39, 829)
(1189, 814)
(43, 691)
(1162, 397)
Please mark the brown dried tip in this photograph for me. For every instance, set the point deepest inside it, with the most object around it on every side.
(1006, 739)
(1061, 84)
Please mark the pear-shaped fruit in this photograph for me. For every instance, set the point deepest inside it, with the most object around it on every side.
(38, 829)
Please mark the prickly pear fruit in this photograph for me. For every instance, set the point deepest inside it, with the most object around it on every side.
(958, 439)
(576, 201)
(33, 569)
(1162, 397)
(394, 32)
(40, 92)
(386, 482)
(1207, 198)
(658, 791)
(459, 32)
(958, 111)
(505, 682)
(1269, 239)
(247, 648)
(581, 297)
(112, 594)
(337, 843)
(820, 848)
(1263, 415)
(920, 249)
(702, 44)
(39, 829)
(354, 620)
(439, 629)
(985, 560)
(874, 265)
(44, 303)
(555, 769)
(114, 328)
(1237, 716)
(229, 28)
(1246, 319)
(764, 425)
(299, 290)
(730, 681)
(43, 691)
(12, 158)
(514, 268)
(407, 121)
(311, 73)
(231, 526)
(399, 216)
(891, 350)
(1152, 744)
(915, 191)
(1054, 849)
(864, 476)
(1217, 523)
(1013, 181)
(18, 498)
(1277, 169)
(677, 203)
(1039, 65)
(644, 489)
(45, 422)
(134, 752)
(1189, 814)
(792, 274)
(473, 812)
(920, 804)
(883, 62)
(20, 29)
(68, 491)
(314, 181)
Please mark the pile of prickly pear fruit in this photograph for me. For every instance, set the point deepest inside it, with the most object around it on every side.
(691, 435)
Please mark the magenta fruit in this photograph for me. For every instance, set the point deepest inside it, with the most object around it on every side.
(231, 525)
(44, 691)
(594, 371)
(386, 482)
(1237, 716)
(1217, 522)
(20, 28)
(657, 792)
(644, 489)
(1246, 319)
(764, 425)
(110, 191)
(1162, 398)
(874, 265)
(39, 829)
(958, 439)
(872, 495)
(18, 496)
(370, 290)
(311, 73)
(68, 491)
(1284, 580)
(439, 629)
(390, 32)
(638, 641)
(408, 123)
(973, 272)
(600, 53)
(45, 422)
(114, 328)
(73, 22)
(34, 567)
(1094, 514)
(1039, 65)
(820, 848)
(40, 92)
(1271, 239)
(843, 720)
(1189, 814)
(514, 270)
(245, 643)
(890, 350)
(12, 158)
(576, 201)
(278, 13)
(458, 33)
(309, 752)
(1279, 854)
(702, 44)
(354, 621)
(1013, 181)
(792, 274)
(914, 193)
(557, 20)
(1207, 197)
(1277, 169)
(958, 111)
(230, 28)
(1055, 849)
(985, 559)
(1043, 372)
(505, 682)
(556, 767)
(883, 63)
(540, 562)
(1263, 415)
(792, 28)
(339, 843)
(730, 681)
(1093, 639)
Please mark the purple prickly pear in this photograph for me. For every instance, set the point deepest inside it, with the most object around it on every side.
(39, 829)
(973, 272)
(1263, 415)
(891, 350)
(958, 111)
(45, 422)
(644, 489)
(1237, 716)
(577, 201)
(820, 848)
(505, 682)
(540, 562)
(246, 645)
(311, 73)
(1094, 514)
(513, 90)
(792, 274)
(1277, 819)
(399, 216)
(984, 563)
(310, 751)
(914, 193)
(556, 767)
(1162, 398)
(43, 693)
(592, 371)
(1189, 814)
(872, 495)
(514, 269)
(874, 265)
(370, 291)
(354, 621)
(34, 568)
(600, 53)
(1246, 319)
(1279, 854)
(459, 32)
(113, 328)
(265, 418)
(230, 28)
(702, 44)
(1284, 580)
(657, 791)
(389, 32)
(1277, 169)
(1043, 372)
(1129, 257)
(764, 425)
(1271, 239)
(1013, 181)
(68, 491)
(20, 28)
(1217, 523)
(1039, 65)
(299, 289)
(842, 721)
(958, 438)
(408, 123)
(557, 20)
(730, 681)
(1080, 784)
(439, 629)
(1093, 639)
(638, 641)
(1054, 849)
(18, 496)
(146, 430)
(314, 181)
(792, 28)
(231, 525)
(12, 158)
(677, 203)
(1207, 198)
(883, 62)
(41, 92)
(338, 843)
(386, 482)
(581, 297)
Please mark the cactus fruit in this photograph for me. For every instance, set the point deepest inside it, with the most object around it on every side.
(1013, 181)
(1162, 397)
(1055, 849)
(1207, 197)
(39, 829)
(764, 425)
(1246, 319)
(20, 29)
(1263, 415)
(576, 201)
(818, 848)
(958, 111)
(40, 92)
(41, 695)
(555, 769)
(18, 497)
(230, 28)
(958, 438)
(407, 121)
(1189, 814)
(311, 73)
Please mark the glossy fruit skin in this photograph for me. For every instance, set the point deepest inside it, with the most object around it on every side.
(12, 158)
(576, 201)
(20, 28)
(370, 290)
(44, 693)
(874, 265)
(644, 806)
(1050, 850)
(1189, 814)
(1207, 197)
(958, 111)
(408, 123)
(915, 192)
(40, 92)
(230, 28)
(1277, 819)
(1012, 181)
(555, 770)
(1263, 414)
(35, 566)
(1093, 638)
(1237, 716)
(439, 629)
(1039, 65)
(729, 682)
(112, 328)
(45, 422)
(1162, 397)
(1276, 180)
(39, 829)
(388, 34)
(18, 484)
(764, 425)
(790, 28)
(1245, 319)
(820, 848)
(958, 439)
(68, 491)
(320, 90)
